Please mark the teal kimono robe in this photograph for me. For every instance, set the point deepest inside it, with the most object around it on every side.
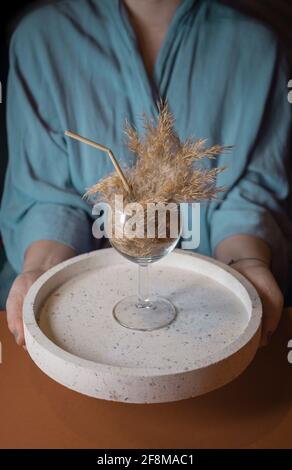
(76, 65)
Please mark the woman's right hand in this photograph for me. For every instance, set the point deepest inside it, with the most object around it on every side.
(39, 257)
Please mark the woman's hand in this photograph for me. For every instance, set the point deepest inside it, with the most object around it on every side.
(272, 299)
(251, 256)
(15, 300)
(39, 257)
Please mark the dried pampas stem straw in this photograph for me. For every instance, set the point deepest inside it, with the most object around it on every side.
(118, 169)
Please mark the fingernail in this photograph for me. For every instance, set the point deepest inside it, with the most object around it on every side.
(15, 334)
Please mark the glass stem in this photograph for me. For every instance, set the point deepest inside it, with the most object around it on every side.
(143, 286)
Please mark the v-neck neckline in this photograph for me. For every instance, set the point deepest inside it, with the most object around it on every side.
(152, 84)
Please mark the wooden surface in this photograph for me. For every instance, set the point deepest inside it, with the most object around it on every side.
(254, 411)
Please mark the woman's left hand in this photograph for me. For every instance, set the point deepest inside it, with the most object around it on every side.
(271, 296)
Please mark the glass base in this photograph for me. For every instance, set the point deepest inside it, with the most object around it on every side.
(144, 316)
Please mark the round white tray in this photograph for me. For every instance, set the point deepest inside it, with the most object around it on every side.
(72, 336)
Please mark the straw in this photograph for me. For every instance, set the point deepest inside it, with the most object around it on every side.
(118, 169)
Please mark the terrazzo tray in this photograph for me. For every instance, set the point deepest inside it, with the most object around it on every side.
(71, 334)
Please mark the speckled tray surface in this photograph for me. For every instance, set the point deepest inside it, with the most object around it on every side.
(72, 336)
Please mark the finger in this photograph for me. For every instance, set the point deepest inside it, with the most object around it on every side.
(272, 308)
(14, 316)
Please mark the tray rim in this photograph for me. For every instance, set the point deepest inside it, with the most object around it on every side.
(32, 328)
